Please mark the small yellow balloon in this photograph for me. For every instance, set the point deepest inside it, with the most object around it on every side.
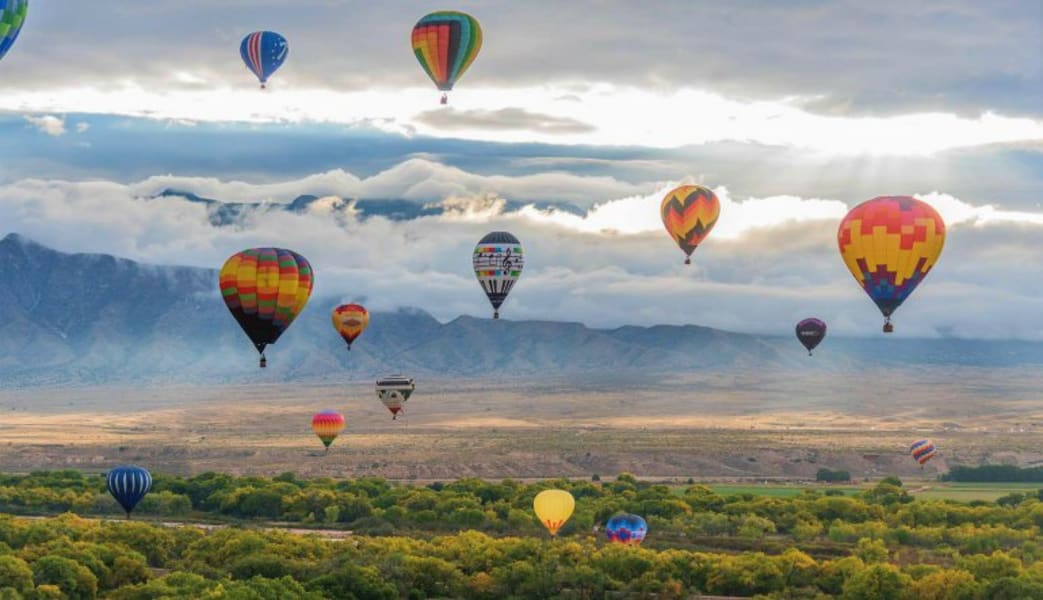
(553, 508)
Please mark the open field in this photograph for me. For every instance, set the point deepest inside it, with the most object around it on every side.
(741, 428)
(963, 492)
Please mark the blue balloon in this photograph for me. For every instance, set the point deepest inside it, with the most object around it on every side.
(128, 485)
(12, 16)
(626, 529)
(263, 52)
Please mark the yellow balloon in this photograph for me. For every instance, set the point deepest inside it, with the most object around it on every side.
(553, 508)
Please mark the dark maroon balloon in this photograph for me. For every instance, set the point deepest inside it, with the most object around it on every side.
(810, 332)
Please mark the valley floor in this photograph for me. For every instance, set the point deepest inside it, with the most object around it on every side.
(725, 427)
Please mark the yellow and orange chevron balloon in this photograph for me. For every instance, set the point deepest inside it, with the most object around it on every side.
(889, 244)
(350, 320)
(689, 213)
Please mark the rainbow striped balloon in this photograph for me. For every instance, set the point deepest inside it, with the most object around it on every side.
(446, 43)
(327, 425)
(689, 213)
(265, 289)
(923, 451)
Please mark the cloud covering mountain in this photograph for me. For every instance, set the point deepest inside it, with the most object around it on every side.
(92, 319)
(403, 237)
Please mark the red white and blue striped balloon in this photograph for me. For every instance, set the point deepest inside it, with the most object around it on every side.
(263, 52)
(128, 484)
(923, 451)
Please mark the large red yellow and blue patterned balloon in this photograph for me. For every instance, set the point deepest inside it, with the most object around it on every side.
(327, 425)
(265, 289)
(889, 244)
(350, 320)
(446, 43)
(689, 213)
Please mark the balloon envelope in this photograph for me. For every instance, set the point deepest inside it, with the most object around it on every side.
(12, 17)
(553, 508)
(889, 244)
(446, 43)
(128, 484)
(689, 213)
(810, 333)
(327, 425)
(923, 451)
(263, 52)
(498, 260)
(626, 529)
(350, 320)
(393, 391)
(265, 289)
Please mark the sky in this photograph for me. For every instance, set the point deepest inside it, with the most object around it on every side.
(572, 123)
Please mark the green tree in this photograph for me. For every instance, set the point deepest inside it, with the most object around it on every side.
(871, 551)
(15, 573)
(947, 584)
(72, 578)
(876, 582)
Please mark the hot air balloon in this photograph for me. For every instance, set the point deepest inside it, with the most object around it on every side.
(689, 213)
(393, 391)
(810, 332)
(923, 451)
(498, 261)
(626, 529)
(889, 244)
(553, 508)
(263, 52)
(446, 43)
(265, 289)
(12, 17)
(350, 320)
(128, 485)
(327, 425)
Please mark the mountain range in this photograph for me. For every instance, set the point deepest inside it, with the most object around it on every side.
(92, 319)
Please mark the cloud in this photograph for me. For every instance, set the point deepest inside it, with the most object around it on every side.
(810, 75)
(961, 56)
(49, 124)
(414, 179)
(778, 262)
(502, 119)
(654, 118)
(82, 127)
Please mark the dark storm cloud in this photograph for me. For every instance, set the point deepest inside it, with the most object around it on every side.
(843, 56)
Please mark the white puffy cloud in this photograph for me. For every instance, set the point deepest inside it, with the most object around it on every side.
(414, 179)
(774, 262)
(49, 124)
(666, 118)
